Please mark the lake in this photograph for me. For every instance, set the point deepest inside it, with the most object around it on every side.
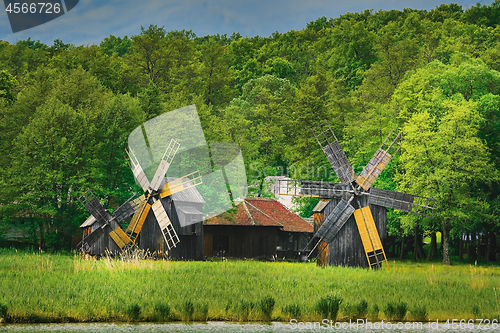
(214, 327)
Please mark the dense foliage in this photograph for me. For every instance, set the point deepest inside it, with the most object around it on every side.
(66, 111)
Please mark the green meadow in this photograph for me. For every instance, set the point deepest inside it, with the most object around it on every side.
(43, 287)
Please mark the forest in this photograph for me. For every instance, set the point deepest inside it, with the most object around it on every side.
(66, 112)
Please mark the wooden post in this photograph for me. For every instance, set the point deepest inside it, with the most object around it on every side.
(323, 258)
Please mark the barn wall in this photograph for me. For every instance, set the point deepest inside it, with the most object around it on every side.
(240, 241)
(190, 246)
(104, 244)
(347, 249)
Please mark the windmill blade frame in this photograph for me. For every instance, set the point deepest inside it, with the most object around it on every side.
(379, 161)
(165, 162)
(370, 238)
(166, 227)
(310, 188)
(137, 171)
(410, 203)
(334, 153)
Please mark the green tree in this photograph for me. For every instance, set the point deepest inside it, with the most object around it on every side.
(443, 159)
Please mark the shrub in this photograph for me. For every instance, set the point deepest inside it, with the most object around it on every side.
(267, 306)
(243, 308)
(293, 310)
(3, 311)
(373, 314)
(419, 313)
(396, 310)
(329, 306)
(162, 311)
(134, 311)
(203, 309)
(188, 309)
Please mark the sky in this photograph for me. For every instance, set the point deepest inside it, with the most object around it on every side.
(92, 20)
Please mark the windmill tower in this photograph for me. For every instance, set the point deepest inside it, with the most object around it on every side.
(349, 229)
(104, 224)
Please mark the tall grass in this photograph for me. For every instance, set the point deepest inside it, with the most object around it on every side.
(41, 287)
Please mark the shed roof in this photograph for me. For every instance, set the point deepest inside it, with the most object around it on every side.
(320, 206)
(88, 222)
(262, 212)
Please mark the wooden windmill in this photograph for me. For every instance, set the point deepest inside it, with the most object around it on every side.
(140, 207)
(355, 195)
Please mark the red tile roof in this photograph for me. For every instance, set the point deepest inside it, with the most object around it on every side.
(261, 212)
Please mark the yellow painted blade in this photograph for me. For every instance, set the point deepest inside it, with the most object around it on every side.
(166, 227)
(180, 184)
(135, 226)
(369, 236)
(373, 169)
(120, 237)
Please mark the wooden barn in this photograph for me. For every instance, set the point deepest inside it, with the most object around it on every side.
(184, 209)
(260, 228)
(347, 249)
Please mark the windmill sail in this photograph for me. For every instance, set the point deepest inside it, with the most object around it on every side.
(370, 238)
(333, 151)
(165, 162)
(410, 203)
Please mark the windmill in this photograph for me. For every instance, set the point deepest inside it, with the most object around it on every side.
(140, 207)
(355, 194)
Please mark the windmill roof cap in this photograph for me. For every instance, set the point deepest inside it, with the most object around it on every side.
(190, 210)
(88, 222)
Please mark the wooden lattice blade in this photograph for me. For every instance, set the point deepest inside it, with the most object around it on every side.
(181, 184)
(94, 207)
(126, 210)
(335, 221)
(370, 238)
(166, 227)
(310, 188)
(414, 204)
(139, 174)
(334, 152)
(379, 161)
(165, 162)
(135, 225)
(373, 169)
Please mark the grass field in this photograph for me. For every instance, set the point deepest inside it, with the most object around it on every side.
(41, 287)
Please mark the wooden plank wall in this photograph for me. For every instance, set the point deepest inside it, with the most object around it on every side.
(347, 249)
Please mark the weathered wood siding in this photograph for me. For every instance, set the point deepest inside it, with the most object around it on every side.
(242, 241)
(190, 246)
(347, 249)
(104, 244)
(323, 258)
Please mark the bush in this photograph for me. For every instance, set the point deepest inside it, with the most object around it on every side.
(162, 311)
(329, 306)
(3, 311)
(419, 313)
(293, 310)
(396, 310)
(203, 309)
(361, 309)
(373, 314)
(188, 309)
(267, 306)
(134, 311)
(243, 308)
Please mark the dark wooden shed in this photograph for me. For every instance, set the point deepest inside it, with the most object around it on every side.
(347, 249)
(259, 228)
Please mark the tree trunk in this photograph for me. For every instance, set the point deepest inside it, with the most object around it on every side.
(461, 248)
(472, 247)
(445, 243)
(401, 254)
(418, 250)
(491, 246)
(433, 248)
